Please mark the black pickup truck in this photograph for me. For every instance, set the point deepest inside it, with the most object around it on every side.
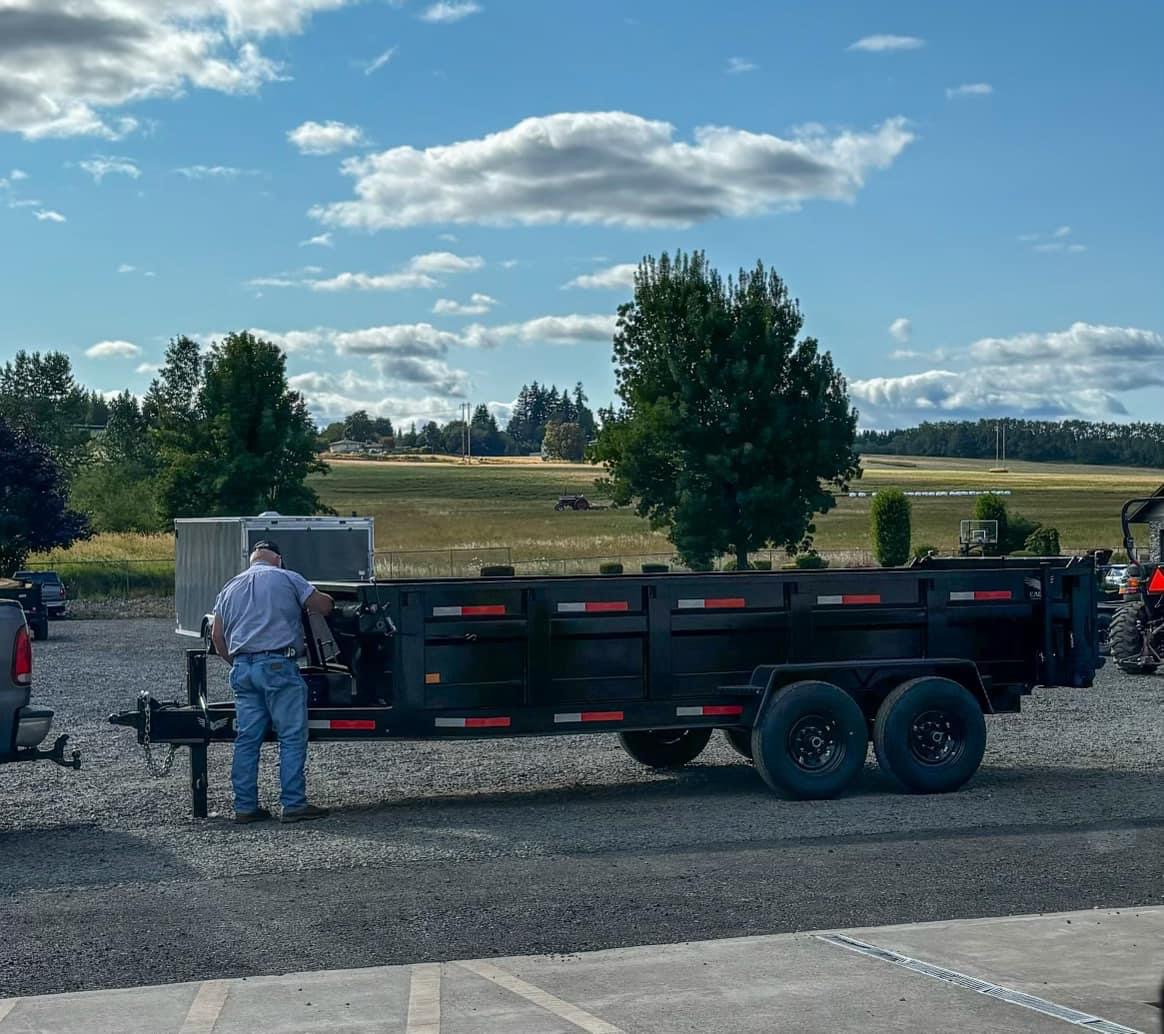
(30, 596)
(23, 728)
(801, 670)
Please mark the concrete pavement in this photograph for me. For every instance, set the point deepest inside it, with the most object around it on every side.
(1095, 970)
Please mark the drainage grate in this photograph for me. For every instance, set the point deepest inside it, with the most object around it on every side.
(1003, 994)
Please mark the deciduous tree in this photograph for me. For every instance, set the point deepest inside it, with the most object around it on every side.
(732, 432)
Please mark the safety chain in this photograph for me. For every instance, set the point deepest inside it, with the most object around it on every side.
(158, 771)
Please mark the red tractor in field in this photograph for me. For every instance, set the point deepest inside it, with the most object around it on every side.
(1136, 635)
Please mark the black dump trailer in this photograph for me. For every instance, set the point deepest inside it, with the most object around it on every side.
(801, 669)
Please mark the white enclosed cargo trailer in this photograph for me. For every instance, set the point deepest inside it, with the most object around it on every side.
(209, 551)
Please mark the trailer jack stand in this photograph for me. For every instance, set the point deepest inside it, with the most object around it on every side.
(55, 754)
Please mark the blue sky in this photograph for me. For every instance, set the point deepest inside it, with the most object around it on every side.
(428, 203)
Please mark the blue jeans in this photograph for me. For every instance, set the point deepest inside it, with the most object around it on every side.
(268, 690)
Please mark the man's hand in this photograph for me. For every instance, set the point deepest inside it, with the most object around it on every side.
(218, 638)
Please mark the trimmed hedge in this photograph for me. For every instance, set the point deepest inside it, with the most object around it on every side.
(611, 568)
(655, 568)
(496, 571)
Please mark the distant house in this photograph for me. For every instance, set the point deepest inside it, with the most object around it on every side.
(347, 447)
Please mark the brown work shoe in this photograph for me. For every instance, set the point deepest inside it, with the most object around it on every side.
(244, 817)
(304, 814)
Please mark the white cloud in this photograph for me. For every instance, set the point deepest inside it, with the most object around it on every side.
(102, 165)
(901, 329)
(206, 172)
(904, 353)
(325, 137)
(1053, 243)
(416, 340)
(450, 237)
(17, 174)
(885, 42)
(969, 90)
(113, 350)
(147, 368)
(552, 330)
(405, 281)
(450, 12)
(1054, 247)
(609, 168)
(66, 67)
(614, 278)
(320, 240)
(50, 216)
(478, 305)
(445, 262)
(738, 65)
(380, 61)
(125, 267)
(1078, 372)
(418, 274)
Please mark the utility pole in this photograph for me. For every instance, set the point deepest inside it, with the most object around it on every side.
(469, 430)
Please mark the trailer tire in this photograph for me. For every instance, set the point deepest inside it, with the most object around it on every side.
(1125, 638)
(929, 735)
(811, 741)
(740, 740)
(581, 504)
(665, 748)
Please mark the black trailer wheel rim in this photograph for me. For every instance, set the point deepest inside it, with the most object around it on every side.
(937, 737)
(814, 744)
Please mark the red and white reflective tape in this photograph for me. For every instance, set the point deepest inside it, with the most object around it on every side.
(471, 723)
(981, 594)
(346, 724)
(587, 716)
(479, 610)
(847, 600)
(718, 603)
(594, 607)
(710, 711)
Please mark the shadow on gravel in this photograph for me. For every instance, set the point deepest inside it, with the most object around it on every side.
(82, 856)
(743, 785)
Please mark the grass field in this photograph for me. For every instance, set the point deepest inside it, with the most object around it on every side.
(437, 517)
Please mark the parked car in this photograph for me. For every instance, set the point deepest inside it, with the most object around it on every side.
(23, 728)
(52, 590)
(1115, 578)
(28, 596)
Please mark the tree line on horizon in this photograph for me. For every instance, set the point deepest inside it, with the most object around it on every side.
(561, 421)
(1137, 444)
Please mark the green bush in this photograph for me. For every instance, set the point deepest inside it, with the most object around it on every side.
(762, 565)
(753, 565)
(991, 507)
(810, 562)
(1018, 530)
(655, 568)
(1024, 552)
(920, 551)
(1043, 542)
(889, 517)
(610, 568)
(496, 570)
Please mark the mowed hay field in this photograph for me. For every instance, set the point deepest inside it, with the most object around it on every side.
(441, 506)
(441, 517)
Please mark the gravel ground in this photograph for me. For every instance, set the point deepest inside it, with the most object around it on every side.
(1073, 757)
(445, 850)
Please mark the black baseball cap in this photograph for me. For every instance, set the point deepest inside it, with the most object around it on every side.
(268, 545)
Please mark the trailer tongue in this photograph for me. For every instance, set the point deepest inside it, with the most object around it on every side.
(801, 668)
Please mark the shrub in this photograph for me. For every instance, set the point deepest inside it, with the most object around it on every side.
(762, 565)
(496, 570)
(1024, 552)
(920, 551)
(753, 565)
(890, 531)
(1043, 542)
(991, 507)
(655, 568)
(810, 562)
(610, 568)
(1018, 530)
